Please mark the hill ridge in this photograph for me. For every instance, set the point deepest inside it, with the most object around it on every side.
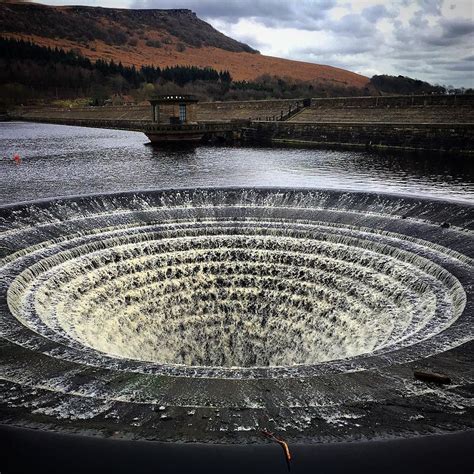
(159, 37)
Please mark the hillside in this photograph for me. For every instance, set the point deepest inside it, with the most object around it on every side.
(155, 37)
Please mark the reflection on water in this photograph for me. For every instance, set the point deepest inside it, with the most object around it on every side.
(61, 160)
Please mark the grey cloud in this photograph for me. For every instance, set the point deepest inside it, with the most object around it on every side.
(445, 32)
(462, 67)
(438, 40)
(431, 7)
(346, 47)
(441, 61)
(376, 12)
(332, 59)
(252, 40)
(352, 25)
(450, 32)
(456, 27)
(408, 55)
(418, 21)
(305, 14)
(456, 78)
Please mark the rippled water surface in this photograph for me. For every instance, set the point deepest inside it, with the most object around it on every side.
(61, 160)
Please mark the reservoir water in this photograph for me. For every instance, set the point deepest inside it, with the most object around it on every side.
(61, 160)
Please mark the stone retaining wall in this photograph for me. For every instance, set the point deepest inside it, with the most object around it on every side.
(405, 109)
(440, 137)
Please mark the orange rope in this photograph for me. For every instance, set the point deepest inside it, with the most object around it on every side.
(281, 442)
(284, 445)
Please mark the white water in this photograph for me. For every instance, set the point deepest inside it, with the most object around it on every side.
(198, 284)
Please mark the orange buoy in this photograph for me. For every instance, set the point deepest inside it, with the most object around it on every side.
(17, 159)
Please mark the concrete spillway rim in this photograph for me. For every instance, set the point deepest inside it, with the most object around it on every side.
(358, 363)
(341, 191)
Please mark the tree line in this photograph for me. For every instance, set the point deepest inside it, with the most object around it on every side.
(32, 73)
(407, 86)
(29, 71)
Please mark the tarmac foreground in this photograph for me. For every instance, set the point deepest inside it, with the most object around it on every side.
(32, 451)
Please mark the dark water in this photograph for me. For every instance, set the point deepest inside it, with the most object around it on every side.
(59, 160)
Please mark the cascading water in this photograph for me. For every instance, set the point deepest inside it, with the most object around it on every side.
(229, 284)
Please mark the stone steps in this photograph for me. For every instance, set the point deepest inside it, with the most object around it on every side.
(384, 115)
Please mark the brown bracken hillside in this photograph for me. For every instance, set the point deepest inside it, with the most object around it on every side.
(155, 37)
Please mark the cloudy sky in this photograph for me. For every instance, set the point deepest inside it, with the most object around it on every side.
(432, 40)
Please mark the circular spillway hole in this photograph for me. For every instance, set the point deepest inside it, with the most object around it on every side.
(237, 283)
(239, 294)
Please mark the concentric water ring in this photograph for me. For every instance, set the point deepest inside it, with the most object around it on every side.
(237, 283)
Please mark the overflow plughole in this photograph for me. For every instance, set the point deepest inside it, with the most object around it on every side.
(231, 285)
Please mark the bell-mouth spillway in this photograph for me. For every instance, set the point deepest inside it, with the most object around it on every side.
(235, 283)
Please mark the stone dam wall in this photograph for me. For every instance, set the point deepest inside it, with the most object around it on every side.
(457, 138)
(120, 117)
(206, 111)
(247, 110)
(392, 109)
(408, 122)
